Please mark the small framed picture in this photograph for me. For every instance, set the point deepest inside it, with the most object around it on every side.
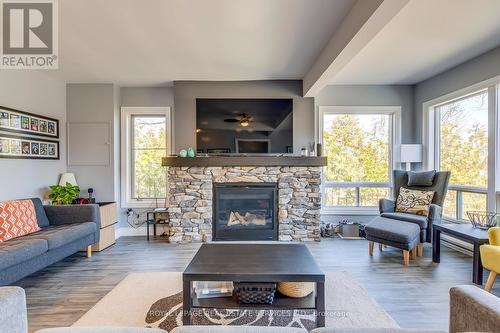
(15, 146)
(25, 148)
(15, 121)
(34, 125)
(51, 127)
(42, 126)
(25, 122)
(43, 149)
(35, 148)
(52, 149)
(4, 146)
(4, 119)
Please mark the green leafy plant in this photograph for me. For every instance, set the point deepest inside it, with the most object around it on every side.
(63, 195)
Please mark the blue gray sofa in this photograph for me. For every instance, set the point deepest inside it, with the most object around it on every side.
(65, 231)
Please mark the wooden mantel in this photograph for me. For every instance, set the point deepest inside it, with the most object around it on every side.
(247, 160)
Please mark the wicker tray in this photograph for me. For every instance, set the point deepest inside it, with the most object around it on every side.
(255, 292)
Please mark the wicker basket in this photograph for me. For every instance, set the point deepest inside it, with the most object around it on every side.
(296, 289)
(255, 292)
(482, 220)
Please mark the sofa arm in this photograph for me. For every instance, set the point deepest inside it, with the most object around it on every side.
(13, 310)
(386, 206)
(473, 310)
(66, 214)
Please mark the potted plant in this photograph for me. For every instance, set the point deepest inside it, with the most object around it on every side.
(64, 194)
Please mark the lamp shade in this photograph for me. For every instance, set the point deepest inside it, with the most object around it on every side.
(411, 153)
(68, 177)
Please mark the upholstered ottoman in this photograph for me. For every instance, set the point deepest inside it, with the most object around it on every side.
(395, 233)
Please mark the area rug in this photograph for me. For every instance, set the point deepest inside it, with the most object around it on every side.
(155, 300)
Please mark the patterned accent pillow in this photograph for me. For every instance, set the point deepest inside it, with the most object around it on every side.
(414, 201)
(17, 218)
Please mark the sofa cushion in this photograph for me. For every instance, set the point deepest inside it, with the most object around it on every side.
(393, 230)
(101, 330)
(236, 329)
(20, 250)
(41, 217)
(424, 178)
(17, 218)
(372, 330)
(60, 235)
(418, 219)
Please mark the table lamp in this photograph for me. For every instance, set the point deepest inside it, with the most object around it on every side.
(68, 177)
(411, 153)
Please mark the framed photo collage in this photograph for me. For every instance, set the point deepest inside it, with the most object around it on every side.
(28, 136)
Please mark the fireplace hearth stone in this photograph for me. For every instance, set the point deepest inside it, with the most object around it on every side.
(191, 199)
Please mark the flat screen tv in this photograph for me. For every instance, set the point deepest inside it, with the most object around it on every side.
(244, 125)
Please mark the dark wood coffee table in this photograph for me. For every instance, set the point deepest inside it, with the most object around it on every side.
(254, 263)
(467, 233)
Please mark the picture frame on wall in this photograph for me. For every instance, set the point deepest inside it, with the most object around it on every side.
(16, 121)
(23, 147)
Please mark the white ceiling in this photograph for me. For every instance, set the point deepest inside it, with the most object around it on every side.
(153, 42)
(425, 38)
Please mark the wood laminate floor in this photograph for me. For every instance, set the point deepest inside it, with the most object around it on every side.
(415, 296)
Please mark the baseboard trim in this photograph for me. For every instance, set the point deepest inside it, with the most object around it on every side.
(141, 231)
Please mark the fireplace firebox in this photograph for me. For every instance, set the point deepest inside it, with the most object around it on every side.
(245, 211)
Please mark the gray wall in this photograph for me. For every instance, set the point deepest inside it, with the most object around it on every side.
(147, 96)
(36, 92)
(481, 68)
(95, 103)
(374, 95)
(186, 92)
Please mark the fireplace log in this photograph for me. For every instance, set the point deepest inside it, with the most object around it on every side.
(232, 220)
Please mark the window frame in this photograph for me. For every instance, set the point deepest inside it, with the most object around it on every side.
(395, 141)
(430, 140)
(126, 115)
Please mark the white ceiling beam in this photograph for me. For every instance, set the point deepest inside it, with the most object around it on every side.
(363, 22)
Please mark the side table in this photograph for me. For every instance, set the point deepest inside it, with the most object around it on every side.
(467, 233)
(152, 220)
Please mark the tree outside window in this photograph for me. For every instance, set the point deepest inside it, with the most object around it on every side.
(463, 150)
(149, 145)
(358, 151)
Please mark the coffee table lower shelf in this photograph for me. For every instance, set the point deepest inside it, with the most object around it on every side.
(280, 302)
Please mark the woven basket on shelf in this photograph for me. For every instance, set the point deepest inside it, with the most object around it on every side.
(255, 292)
(295, 289)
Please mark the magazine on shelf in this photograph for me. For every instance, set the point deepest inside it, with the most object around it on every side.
(210, 289)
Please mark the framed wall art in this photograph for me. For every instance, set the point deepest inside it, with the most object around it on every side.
(13, 146)
(28, 123)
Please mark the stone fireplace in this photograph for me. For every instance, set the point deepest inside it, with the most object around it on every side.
(197, 214)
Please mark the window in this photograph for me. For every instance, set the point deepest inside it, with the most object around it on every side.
(145, 140)
(358, 142)
(462, 148)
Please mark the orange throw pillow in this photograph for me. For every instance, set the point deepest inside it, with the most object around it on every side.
(17, 218)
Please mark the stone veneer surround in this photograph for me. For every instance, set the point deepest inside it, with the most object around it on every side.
(191, 192)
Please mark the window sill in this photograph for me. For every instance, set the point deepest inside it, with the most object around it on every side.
(142, 203)
(368, 211)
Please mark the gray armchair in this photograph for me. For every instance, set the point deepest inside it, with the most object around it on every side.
(439, 186)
